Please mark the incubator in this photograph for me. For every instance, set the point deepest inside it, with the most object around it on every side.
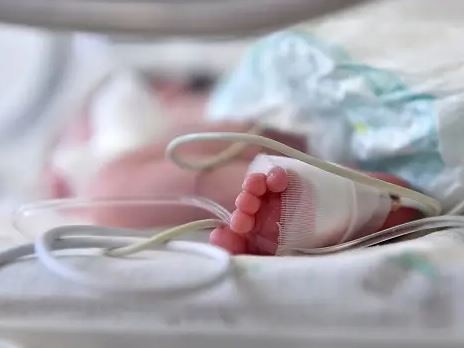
(113, 76)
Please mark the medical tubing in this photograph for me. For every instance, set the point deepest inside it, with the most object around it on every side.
(230, 152)
(428, 205)
(200, 202)
(85, 236)
(28, 249)
(123, 242)
(458, 209)
(118, 241)
(60, 204)
(423, 225)
(90, 237)
(164, 236)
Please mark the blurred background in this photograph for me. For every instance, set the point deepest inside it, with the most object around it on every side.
(63, 91)
(72, 101)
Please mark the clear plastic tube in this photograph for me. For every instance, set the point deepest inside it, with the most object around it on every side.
(458, 209)
(121, 242)
(118, 241)
(79, 237)
(429, 225)
(427, 205)
(90, 237)
(30, 220)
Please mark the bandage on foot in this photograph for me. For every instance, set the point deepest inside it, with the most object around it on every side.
(279, 209)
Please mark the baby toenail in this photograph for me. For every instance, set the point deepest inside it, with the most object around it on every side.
(277, 180)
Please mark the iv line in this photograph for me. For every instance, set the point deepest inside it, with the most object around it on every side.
(117, 241)
(428, 205)
(410, 198)
(164, 236)
(125, 242)
(84, 236)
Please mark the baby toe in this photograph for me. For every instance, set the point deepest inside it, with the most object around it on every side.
(277, 180)
(241, 222)
(223, 237)
(247, 203)
(255, 184)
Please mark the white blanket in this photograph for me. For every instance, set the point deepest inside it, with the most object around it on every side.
(411, 287)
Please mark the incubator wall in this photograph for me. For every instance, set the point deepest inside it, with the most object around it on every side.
(71, 99)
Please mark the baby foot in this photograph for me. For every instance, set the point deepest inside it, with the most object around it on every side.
(254, 224)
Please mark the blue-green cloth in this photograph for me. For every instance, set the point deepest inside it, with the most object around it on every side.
(390, 127)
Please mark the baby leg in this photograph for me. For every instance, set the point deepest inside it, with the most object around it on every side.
(254, 226)
(163, 178)
(145, 173)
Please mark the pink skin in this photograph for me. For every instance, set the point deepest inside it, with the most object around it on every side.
(186, 111)
(145, 172)
(253, 226)
(254, 223)
(176, 102)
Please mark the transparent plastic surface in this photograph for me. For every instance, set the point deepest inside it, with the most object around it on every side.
(190, 18)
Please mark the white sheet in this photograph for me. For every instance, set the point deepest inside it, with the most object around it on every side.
(403, 288)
